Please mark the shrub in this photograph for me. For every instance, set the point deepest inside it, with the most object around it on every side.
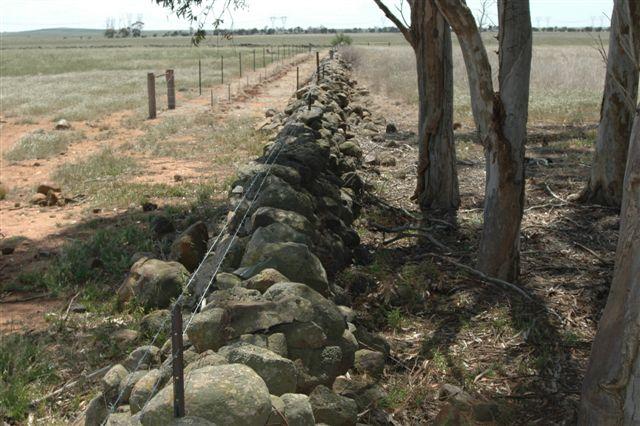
(341, 39)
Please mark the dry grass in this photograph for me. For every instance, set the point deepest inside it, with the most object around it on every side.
(42, 144)
(566, 80)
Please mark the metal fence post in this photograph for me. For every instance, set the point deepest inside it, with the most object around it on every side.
(317, 67)
(177, 361)
(297, 78)
(200, 76)
(240, 62)
(151, 90)
(221, 69)
(254, 60)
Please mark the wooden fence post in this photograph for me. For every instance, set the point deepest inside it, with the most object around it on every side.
(297, 78)
(240, 62)
(264, 59)
(254, 60)
(171, 90)
(177, 361)
(200, 76)
(317, 67)
(229, 92)
(151, 90)
(221, 69)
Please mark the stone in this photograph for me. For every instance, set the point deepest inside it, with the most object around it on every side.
(372, 341)
(347, 313)
(312, 117)
(278, 373)
(39, 199)
(45, 188)
(391, 128)
(264, 279)
(273, 233)
(62, 124)
(295, 261)
(222, 298)
(207, 358)
(207, 330)
(229, 395)
(191, 246)
(369, 362)
(153, 283)
(111, 381)
(277, 342)
(362, 389)
(297, 409)
(333, 409)
(225, 281)
(317, 366)
(276, 418)
(141, 357)
(351, 149)
(159, 320)
(303, 335)
(190, 421)
(161, 225)
(126, 385)
(265, 216)
(125, 337)
(279, 194)
(121, 419)
(453, 393)
(96, 412)
(145, 388)
(325, 313)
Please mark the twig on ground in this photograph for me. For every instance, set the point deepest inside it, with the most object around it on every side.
(27, 299)
(421, 232)
(596, 255)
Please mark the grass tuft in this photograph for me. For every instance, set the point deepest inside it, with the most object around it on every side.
(42, 144)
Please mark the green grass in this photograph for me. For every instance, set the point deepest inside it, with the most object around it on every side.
(23, 370)
(42, 144)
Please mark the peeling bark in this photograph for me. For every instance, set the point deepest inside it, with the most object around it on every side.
(616, 113)
(501, 119)
(430, 36)
(437, 180)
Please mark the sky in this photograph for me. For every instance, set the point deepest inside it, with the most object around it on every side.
(21, 15)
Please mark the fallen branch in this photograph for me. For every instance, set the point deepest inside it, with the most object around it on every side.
(484, 277)
(588, 250)
(421, 232)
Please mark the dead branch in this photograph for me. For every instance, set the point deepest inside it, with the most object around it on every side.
(421, 232)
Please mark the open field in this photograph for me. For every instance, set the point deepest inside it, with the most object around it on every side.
(113, 160)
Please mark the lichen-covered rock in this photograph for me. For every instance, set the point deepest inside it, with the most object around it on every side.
(277, 372)
(230, 395)
(111, 381)
(155, 321)
(333, 409)
(276, 418)
(295, 261)
(297, 409)
(222, 298)
(351, 149)
(145, 388)
(191, 246)
(362, 389)
(273, 233)
(205, 359)
(153, 283)
(226, 281)
(207, 330)
(142, 357)
(96, 412)
(126, 385)
(264, 279)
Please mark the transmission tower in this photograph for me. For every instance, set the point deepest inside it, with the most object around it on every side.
(283, 20)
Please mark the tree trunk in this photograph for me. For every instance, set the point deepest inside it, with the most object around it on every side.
(437, 180)
(430, 36)
(616, 114)
(501, 119)
(504, 193)
(611, 387)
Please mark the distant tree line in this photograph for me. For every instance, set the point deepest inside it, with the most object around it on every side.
(135, 30)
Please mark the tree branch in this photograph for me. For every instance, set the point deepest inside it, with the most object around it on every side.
(393, 18)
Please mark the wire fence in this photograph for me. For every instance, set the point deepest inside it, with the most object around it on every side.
(247, 197)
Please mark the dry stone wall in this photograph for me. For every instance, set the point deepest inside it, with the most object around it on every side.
(268, 344)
